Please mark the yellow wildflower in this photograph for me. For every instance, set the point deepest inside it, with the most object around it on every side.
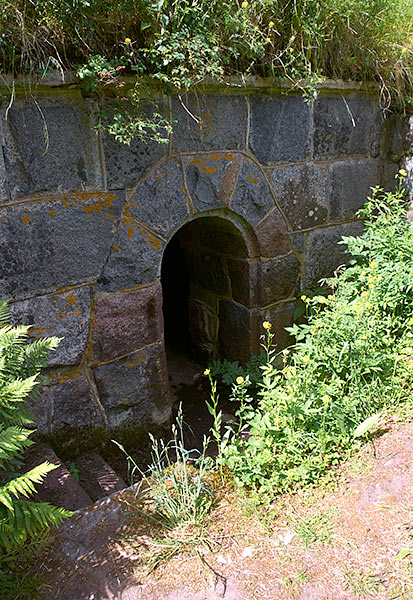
(304, 298)
(271, 24)
(239, 380)
(268, 40)
(207, 371)
(267, 325)
(364, 294)
(373, 264)
(325, 399)
(244, 4)
(403, 172)
(306, 358)
(400, 253)
(127, 40)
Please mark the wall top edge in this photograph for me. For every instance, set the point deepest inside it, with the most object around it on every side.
(58, 81)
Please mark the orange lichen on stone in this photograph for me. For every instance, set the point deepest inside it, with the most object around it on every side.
(136, 360)
(93, 208)
(115, 248)
(27, 220)
(51, 212)
(255, 180)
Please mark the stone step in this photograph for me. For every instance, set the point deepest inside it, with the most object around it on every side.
(97, 477)
(60, 487)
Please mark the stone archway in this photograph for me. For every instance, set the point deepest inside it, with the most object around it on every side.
(209, 272)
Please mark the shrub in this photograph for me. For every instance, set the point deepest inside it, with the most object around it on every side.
(352, 359)
(20, 363)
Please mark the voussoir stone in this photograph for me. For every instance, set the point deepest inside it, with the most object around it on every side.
(63, 314)
(51, 146)
(323, 253)
(127, 163)
(126, 321)
(272, 235)
(134, 390)
(56, 241)
(280, 129)
(302, 191)
(207, 175)
(345, 126)
(210, 122)
(252, 197)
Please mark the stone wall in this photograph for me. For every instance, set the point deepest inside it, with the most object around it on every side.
(84, 222)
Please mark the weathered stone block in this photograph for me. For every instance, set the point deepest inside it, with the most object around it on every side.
(207, 175)
(278, 279)
(134, 390)
(209, 271)
(252, 197)
(76, 422)
(220, 122)
(302, 192)
(280, 316)
(50, 146)
(160, 202)
(4, 195)
(344, 126)
(272, 235)
(126, 164)
(63, 314)
(203, 324)
(237, 325)
(56, 241)
(126, 321)
(243, 279)
(280, 129)
(351, 183)
(323, 254)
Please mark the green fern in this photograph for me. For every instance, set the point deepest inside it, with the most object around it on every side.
(20, 364)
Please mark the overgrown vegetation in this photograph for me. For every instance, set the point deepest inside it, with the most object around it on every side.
(353, 359)
(20, 518)
(178, 43)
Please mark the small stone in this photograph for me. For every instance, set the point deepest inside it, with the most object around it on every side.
(248, 552)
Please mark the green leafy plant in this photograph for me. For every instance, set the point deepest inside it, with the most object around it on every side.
(351, 362)
(20, 363)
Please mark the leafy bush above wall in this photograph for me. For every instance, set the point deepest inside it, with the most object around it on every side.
(178, 43)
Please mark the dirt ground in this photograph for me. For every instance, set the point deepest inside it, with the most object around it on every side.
(346, 541)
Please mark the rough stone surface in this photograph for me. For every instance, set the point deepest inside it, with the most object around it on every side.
(135, 256)
(302, 191)
(217, 235)
(209, 270)
(126, 321)
(63, 314)
(76, 420)
(344, 126)
(205, 175)
(252, 197)
(272, 235)
(280, 129)
(323, 254)
(351, 183)
(278, 279)
(221, 122)
(388, 179)
(4, 194)
(134, 390)
(237, 325)
(50, 146)
(243, 280)
(127, 163)
(203, 328)
(160, 202)
(55, 242)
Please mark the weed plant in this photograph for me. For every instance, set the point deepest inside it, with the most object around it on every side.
(352, 360)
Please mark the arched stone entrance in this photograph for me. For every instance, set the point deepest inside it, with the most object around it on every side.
(209, 283)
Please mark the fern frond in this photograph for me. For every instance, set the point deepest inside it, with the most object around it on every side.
(13, 440)
(23, 485)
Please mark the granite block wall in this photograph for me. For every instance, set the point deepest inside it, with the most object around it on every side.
(272, 183)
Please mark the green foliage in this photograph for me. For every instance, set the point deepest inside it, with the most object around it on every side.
(353, 358)
(176, 44)
(19, 371)
(174, 484)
